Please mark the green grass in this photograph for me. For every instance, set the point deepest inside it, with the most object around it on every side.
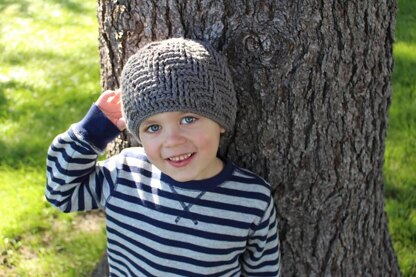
(400, 155)
(49, 73)
(49, 76)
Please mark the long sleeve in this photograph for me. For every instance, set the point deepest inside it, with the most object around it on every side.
(262, 257)
(75, 181)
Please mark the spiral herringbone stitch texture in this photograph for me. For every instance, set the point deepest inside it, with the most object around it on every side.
(177, 75)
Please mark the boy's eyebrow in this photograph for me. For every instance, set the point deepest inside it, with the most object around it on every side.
(151, 121)
(148, 122)
(186, 113)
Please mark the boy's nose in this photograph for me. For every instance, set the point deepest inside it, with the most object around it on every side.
(173, 137)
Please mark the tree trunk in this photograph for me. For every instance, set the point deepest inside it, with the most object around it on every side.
(313, 80)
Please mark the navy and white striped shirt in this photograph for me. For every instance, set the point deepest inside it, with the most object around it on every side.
(222, 226)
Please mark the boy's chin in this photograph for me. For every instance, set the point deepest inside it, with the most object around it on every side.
(179, 177)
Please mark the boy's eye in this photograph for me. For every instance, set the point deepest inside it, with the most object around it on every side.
(188, 120)
(153, 128)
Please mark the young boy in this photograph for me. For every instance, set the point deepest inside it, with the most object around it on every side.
(173, 207)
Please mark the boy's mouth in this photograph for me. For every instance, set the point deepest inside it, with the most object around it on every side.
(180, 157)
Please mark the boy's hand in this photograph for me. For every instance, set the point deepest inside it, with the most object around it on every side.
(109, 103)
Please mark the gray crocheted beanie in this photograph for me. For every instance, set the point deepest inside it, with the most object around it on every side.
(177, 75)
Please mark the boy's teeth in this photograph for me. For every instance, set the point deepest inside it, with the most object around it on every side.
(180, 158)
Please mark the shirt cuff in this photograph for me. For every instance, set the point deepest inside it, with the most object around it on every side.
(96, 128)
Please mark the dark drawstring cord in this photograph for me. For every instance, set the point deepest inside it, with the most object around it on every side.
(186, 208)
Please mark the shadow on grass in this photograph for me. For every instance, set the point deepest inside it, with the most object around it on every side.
(405, 30)
(72, 6)
(34, 127)
(404, 69)
(402, 114)
(32, 115)
(5, 104)
(405, 194)
(400, 206)
(21, 6)
(3, 101)
(23, 58)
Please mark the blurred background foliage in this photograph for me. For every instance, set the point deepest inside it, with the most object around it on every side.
(49, 76)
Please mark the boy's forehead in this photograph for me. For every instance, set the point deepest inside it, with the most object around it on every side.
(171, 115)
(163, 115)
(166, 116)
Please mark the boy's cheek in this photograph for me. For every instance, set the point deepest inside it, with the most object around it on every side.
(151, 151)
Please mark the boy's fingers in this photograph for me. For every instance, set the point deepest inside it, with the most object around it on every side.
(117, 97)
(121, 124)
(108, 93)
(109, 96)
(104, 96)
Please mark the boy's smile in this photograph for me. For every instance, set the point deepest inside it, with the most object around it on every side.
(182, 145)
(182, 160)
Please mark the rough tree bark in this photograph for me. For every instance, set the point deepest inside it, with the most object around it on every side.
(314, 85)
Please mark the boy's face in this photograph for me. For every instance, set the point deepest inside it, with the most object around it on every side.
(182, 145)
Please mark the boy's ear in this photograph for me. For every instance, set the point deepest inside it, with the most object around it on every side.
(222, 130)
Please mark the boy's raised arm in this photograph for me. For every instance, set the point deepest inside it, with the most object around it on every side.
(75, 182)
